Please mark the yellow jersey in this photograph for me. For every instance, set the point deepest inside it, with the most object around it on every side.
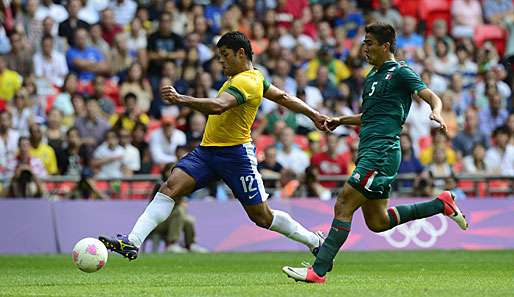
(233, 126)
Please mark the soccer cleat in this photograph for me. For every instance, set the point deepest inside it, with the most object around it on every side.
(321, 238)
(451, 210)
(315, 250)
(121, 245)
(304, 274)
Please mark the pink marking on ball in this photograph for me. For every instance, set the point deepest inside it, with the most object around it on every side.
(75, 255)
(100, 265)
(91, 249)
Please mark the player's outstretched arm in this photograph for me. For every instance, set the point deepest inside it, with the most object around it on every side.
(216, 105)
(436, 104)
(295, 104)
(354, 120)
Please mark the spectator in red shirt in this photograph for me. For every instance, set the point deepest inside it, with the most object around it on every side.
(329, 162)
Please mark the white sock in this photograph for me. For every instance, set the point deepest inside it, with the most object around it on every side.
(155, 213)
(284, 224)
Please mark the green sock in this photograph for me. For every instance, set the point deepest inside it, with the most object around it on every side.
(404, 213)
(328, 251)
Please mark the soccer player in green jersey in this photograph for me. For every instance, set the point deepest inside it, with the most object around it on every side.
(387, 94)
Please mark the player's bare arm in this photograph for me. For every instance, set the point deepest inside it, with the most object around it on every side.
(436, 104)
(217, 105)
(295, 104)
(352, 120)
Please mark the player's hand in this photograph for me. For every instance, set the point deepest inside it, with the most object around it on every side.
(170, 95)
(333, 123)
(435, 116)
(320, 120)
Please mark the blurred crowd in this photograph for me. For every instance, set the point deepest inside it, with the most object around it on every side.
(79, 83)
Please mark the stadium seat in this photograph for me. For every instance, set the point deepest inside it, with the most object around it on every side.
(494, 33)
(432, 10)
(408, 7)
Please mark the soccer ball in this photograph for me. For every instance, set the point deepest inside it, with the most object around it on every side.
(89, 254)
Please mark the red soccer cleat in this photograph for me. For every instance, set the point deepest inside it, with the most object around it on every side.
(452, 210)
(304, 274)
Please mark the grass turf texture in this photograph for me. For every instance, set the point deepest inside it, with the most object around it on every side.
(434, 273)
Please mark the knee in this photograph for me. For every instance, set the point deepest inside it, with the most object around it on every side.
(377, 227)
(262, 221)
(170, 188)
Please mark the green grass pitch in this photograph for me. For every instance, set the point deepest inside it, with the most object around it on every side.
(434, 273)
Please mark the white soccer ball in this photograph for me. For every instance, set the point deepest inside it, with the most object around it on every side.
(89, 254)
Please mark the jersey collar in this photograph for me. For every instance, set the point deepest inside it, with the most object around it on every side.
(388, 63)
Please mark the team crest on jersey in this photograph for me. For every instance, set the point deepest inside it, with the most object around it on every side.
(389, 75)
(357, 176)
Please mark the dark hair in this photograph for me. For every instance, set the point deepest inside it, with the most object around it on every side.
(383, 33)
(128, 96)
(235, 40)
(501, 130)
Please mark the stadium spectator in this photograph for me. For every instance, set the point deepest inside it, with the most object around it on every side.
(329, 162)
(19, 58)
(121, 58)
(474, 163)
(97, 41)
(54, 132)
(164, 141)
(386, 13)
(418, 121)
(493, 115)
(47, 8)
(445, 62)
(42, 151)
(27, 23)
(462, 99)
(108, 158)
(313, 186)
(408, 39)
(92, 127)
(49, 29)
(258, 39)
(500, 157)
(497, 11)
(98, 94)
(21, 112)
(195, 129)
(439, 140)
(131, 157)
(440, 32)
(139, 142)
(467, 14)
(72, 23)
(10, 82)
(439, 168)
(289, 154)
(451, 183)
(108, 25)
(136, 37)
(8, 143)
(63, 100)
(74, 159)
(49, 64)
(124, 11)
(84, 60)
(448, 113)
(466, 67)
(25, 182)
(465, 140)
(410, 164)
(335, 69)
(296, 37)
(137, 84)
(269, 167)
(130, 115)
(164, 45)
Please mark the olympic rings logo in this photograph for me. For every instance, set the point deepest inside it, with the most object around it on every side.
(410, 233)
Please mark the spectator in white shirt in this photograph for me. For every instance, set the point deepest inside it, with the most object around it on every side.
(289, 155)
(131, 158)
(164, 142)
(49, 64)
(8, 143)
(109, 156)
(419, 121)
(500, 157)
(48, 8)
(124, 11)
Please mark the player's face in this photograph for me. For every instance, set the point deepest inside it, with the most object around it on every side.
(229, 60)
(373, 50)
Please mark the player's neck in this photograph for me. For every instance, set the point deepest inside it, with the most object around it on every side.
(387, 58)
(245, 67)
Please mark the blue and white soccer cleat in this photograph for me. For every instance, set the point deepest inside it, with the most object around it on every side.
(121, 245)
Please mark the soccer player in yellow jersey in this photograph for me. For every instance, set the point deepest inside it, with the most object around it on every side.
(226, 151)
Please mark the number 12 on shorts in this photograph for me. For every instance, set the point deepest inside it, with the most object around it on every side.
(247, 182)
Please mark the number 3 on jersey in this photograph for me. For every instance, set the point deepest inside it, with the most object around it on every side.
(247, 182)
(373, 88)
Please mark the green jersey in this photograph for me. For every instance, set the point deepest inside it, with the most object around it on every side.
(386, 102)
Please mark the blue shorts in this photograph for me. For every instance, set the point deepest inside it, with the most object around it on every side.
(235, 165)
